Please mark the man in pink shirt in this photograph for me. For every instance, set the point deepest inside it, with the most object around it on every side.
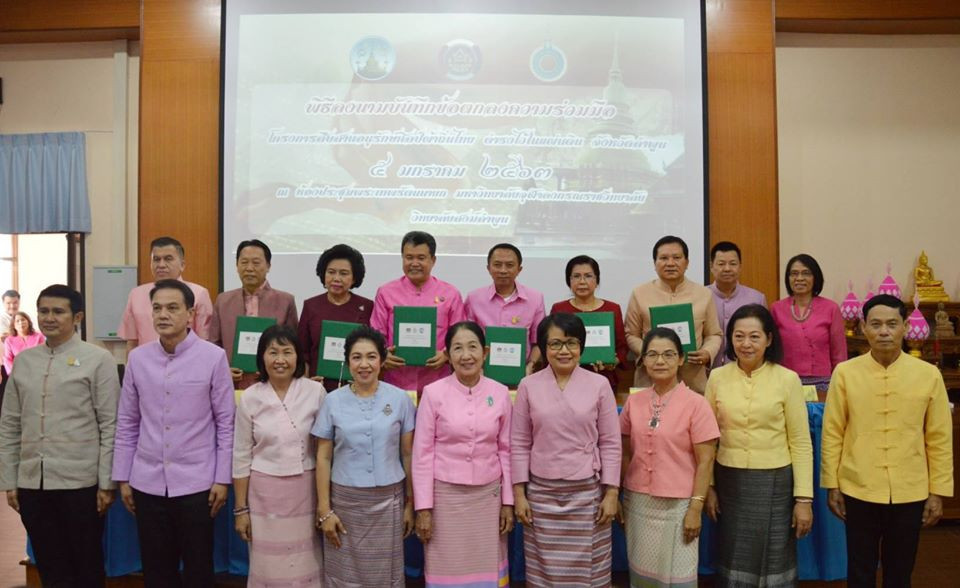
(417, 287)
(505, 303)
(166, 262)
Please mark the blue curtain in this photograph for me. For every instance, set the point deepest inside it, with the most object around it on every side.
(43, 184)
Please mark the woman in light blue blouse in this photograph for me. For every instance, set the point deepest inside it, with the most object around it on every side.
(364, 449)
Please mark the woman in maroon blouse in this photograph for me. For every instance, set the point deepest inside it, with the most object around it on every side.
(583, 278)
(340, 268)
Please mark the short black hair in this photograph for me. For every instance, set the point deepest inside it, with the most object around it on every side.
(570, 324)
(579, 260)
(885, 300)
(255, 243)
(812, 265)
(774, 352)
(507, 246)
(283, 335)
(343, 251)
(365, 333)
(468, 325)
(61, 291)
(167, 242)
(417, 238)
(661, 333)
(671, 239)
(724, 246)
(188, 298)
(11, 294)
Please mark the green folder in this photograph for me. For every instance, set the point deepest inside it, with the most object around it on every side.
(245, 340)
(601, 344)
(679, 319)
(415, 333)
(330, 356)
(507, 360)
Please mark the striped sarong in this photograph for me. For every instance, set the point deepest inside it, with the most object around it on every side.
(756, 546)
(371, 551)
(564, 547)
(466, 549)
(821, 383)
(285, 550)
(656, 551)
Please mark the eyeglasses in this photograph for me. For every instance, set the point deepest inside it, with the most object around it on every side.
(668, 355)
(801, 274)
(584, 277)
(557, 344)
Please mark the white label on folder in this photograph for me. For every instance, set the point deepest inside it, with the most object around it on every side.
(414, 335)
(247, 344)
(506, 354)
(333, 348)
(682, 329)
(598, 336)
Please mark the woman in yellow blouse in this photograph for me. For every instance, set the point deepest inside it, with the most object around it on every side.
(764, 469)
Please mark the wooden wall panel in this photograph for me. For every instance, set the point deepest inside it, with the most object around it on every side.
(742, 136)
(867, 9)
(179, 132)
(51, 15)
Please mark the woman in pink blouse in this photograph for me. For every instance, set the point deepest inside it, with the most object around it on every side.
(274, 458)
(565, 462)
(810, 326)
(461, 469)
(21, 336)
(669, 443)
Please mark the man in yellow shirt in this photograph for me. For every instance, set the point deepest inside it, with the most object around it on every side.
(887, 457)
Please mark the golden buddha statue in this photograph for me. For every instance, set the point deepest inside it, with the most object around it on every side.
(928, 288)
(943, 328)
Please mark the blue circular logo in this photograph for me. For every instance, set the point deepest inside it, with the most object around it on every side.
(373, 58)
(548, 63)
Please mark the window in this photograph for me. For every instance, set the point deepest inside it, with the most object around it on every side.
(9, 278)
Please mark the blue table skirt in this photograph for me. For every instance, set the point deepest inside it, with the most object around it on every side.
(822, 555)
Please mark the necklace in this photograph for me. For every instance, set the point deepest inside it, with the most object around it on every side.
(657, 409)
(806, 311)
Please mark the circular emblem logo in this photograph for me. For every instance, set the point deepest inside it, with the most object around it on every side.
(373, 58)
(548, 63)
(460, 59)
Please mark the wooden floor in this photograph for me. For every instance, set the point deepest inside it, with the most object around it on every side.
(938, 563)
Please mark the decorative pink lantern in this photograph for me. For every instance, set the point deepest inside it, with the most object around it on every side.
(889, 285)
(918, 329)
(851, 310)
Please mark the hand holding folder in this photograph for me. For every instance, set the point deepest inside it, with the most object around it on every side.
(415, 333)
(246, 340)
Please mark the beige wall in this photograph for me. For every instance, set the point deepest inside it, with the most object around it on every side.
(93, 88)
(869, 156)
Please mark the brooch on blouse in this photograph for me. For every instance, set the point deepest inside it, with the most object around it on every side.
(73, 362)
(438, 299)
(489, 400)
(387, 410)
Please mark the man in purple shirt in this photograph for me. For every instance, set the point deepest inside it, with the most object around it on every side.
(505, 303)
(728, 293)
(173, 448)
(417, 287)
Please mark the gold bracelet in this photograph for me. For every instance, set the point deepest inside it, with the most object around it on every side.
(803, 500)
(699, 498)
